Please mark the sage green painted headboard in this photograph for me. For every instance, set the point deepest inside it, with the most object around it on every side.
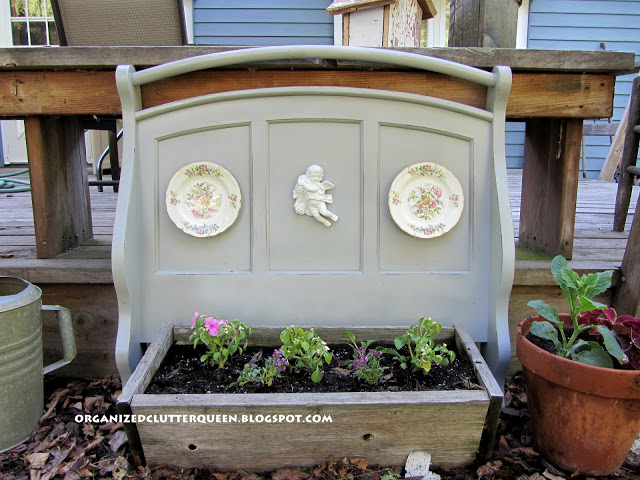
(277, 264)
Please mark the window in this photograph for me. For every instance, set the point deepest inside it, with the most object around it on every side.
(32, 23)
(435, 31)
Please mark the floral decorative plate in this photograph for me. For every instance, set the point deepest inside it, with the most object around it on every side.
(203, 199)
(426, 200)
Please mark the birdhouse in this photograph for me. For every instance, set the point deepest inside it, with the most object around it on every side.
(382, 23)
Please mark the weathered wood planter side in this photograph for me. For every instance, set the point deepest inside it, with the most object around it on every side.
(265, 431)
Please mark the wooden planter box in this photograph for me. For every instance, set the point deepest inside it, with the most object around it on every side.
(383, 427)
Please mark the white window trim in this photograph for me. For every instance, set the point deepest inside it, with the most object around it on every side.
(337, 30)
(437, 26)
(522, 32)
(5, 24)
(188, 19)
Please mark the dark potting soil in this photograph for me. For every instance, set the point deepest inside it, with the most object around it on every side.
(543, 343)
(183, 372)
(548, 346)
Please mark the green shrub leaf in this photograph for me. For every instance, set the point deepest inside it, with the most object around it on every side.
(547, 331)
(595, 356)
(612, 345)
(546, 311)
(350, 336)
(604, 282)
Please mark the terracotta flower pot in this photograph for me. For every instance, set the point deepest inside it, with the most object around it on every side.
(584, 418)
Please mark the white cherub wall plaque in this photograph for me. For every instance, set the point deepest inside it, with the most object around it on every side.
(310, 197)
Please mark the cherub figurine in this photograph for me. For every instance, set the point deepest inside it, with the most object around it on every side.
(310, 198)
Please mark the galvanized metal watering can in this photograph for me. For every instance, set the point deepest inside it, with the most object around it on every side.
(21, 386)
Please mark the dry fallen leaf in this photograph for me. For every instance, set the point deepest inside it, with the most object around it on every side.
(290, 474)
(361, 463)
(51, 406)
(91, 403)
(489, 469)
(528, 452)
(551, 476)
(251, 476)
(536, 476)
(37, 460)
(117, 440)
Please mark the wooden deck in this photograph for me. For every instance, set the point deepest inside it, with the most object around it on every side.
(81, 279)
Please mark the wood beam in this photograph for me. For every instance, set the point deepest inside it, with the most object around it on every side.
(550, 185)
(532, 95)
(520, 60)
(59, 184)
(94, 93)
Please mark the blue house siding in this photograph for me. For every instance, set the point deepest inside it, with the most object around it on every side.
(262, 22)
(583, 25)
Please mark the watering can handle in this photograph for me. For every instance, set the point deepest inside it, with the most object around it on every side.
(65, 329)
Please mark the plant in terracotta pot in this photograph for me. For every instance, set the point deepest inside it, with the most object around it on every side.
(584, 391)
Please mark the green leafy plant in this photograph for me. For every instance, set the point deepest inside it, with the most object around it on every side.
(273, 368)
(222, 338)
(304, 350)
(251, 373)
(366, 361)
(579, 292)
(423, 351)
(389, 474)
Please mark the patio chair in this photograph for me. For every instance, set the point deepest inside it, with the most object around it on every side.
(117, 23)
(120, 22)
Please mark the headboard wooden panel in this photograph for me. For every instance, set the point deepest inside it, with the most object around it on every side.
(274, 267)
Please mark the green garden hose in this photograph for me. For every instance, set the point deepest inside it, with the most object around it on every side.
(7, 186)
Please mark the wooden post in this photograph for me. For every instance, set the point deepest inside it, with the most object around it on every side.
(626, 298)
(483, 23)
(629, 158)
(615, 151)
(550, 185)
(59, 183)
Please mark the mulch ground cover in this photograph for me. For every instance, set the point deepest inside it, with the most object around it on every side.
(62, 448)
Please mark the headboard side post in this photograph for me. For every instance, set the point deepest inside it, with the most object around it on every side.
(125, 267)
(497, 350)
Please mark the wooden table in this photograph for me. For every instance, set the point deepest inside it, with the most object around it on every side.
(56, 90)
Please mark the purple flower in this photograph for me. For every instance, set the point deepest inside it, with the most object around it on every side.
(360, 363)
(278, 360)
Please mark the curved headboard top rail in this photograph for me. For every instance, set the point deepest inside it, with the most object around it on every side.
(263, 54)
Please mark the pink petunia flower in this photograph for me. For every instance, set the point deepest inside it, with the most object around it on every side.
(195, 317)
(213, 325)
